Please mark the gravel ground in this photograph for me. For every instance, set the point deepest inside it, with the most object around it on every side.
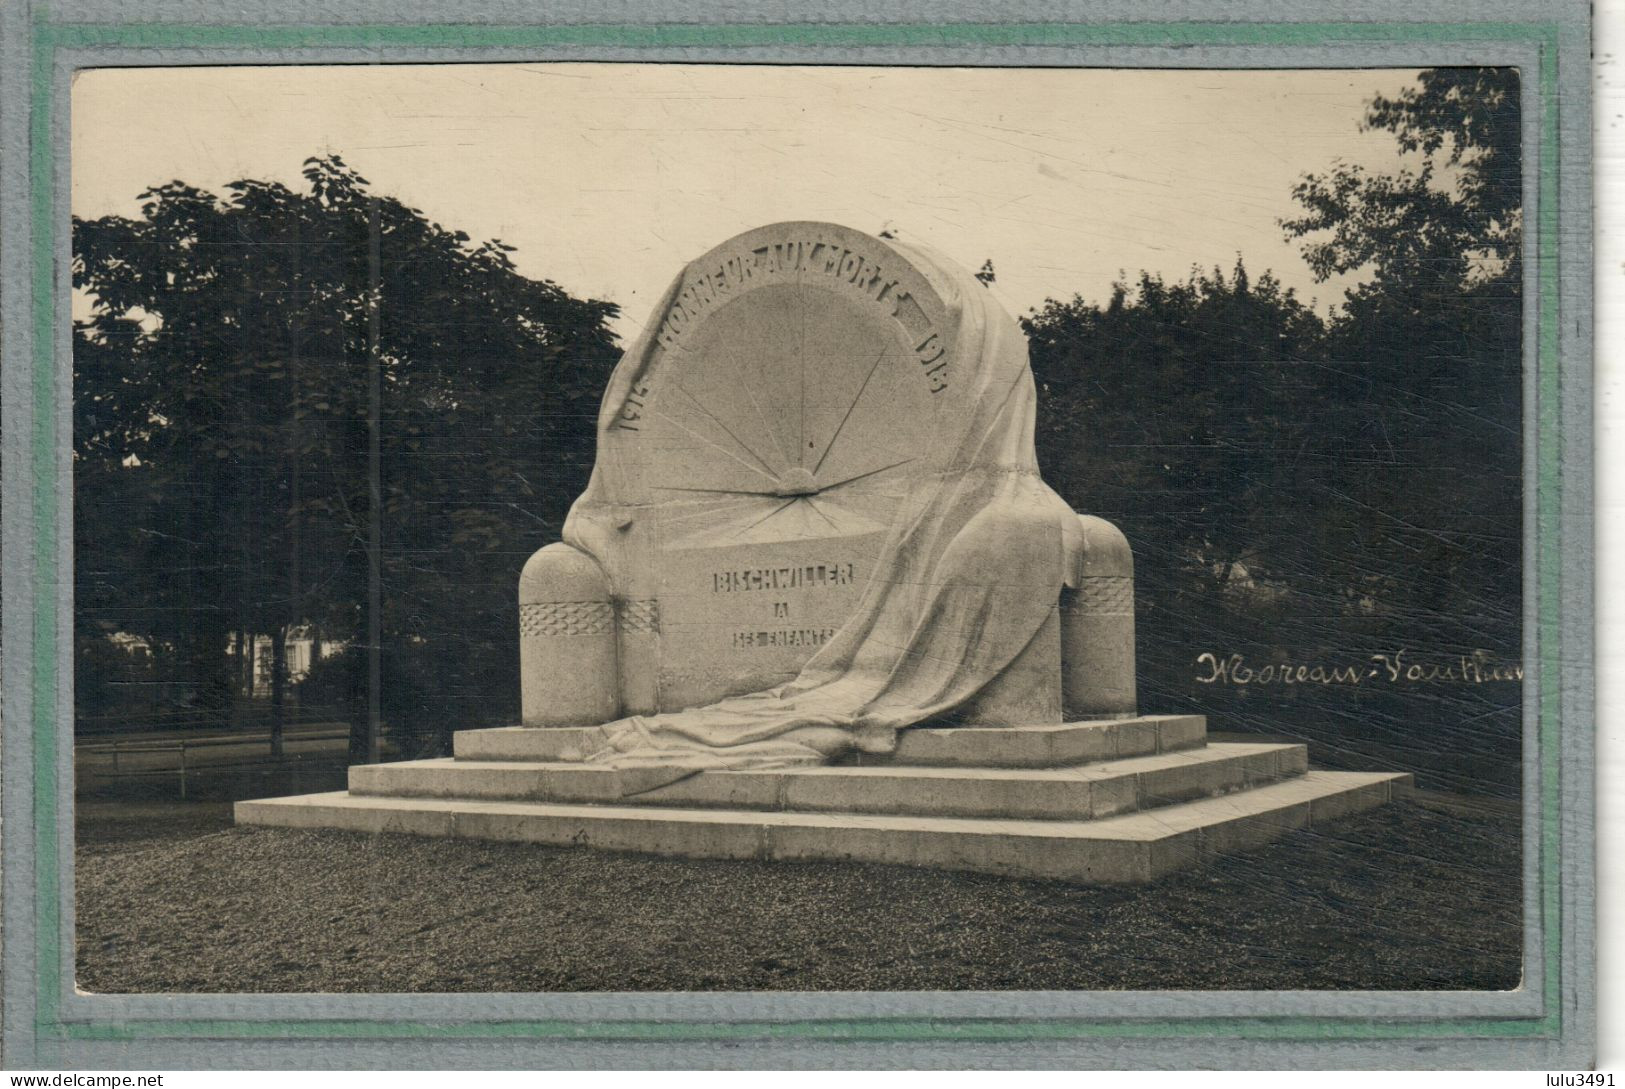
(1417, 895)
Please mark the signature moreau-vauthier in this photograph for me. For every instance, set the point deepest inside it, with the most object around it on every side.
(1398, 667)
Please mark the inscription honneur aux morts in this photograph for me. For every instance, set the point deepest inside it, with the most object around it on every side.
(794, 260)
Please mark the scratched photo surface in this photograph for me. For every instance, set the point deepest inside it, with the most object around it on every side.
(341, 336)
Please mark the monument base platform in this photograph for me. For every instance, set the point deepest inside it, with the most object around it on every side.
(1120, 801)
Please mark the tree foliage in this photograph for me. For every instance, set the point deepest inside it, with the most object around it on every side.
(1430, 347)
(1451, 217)
(1177, 411)
(1322, 488)
(222, 435)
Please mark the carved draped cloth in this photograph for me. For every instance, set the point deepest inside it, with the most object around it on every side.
(971, 568)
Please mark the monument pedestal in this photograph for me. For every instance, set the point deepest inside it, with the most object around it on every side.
(1121, 801)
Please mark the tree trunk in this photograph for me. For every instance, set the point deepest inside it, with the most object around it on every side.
(237, 652)
(444, 728)
(279, 686)
(251, 665)
(239, 670)
(375, 492)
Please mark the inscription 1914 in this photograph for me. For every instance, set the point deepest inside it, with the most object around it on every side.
(632, 410)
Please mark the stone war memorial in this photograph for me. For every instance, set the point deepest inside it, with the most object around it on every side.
(817, 602)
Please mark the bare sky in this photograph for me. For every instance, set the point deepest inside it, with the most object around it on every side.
(608, 177)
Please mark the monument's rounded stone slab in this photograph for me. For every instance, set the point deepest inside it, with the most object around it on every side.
(797, 381)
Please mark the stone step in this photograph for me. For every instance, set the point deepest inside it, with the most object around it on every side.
(532, 743)
(966, 746)
(1090, 791)
(1042, 746)
(1130, 848)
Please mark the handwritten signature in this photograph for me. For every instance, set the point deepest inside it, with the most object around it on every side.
(1400, 667)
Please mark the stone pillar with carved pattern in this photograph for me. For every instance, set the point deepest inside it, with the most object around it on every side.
(638, 621)
(567, 641)
(1097, 627)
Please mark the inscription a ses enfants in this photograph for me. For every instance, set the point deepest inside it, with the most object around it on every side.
(812, 576)
(783, 637)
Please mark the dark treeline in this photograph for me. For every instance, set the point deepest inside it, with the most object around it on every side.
(223, 447)
(1324, 491)
(1298, 488)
